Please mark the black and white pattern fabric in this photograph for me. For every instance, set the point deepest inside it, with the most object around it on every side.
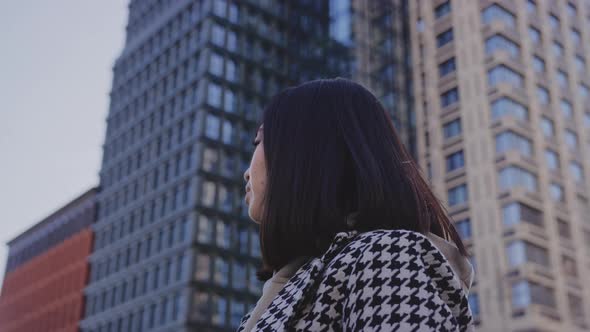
(383, 280)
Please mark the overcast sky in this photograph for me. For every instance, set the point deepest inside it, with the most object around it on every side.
(55, 76)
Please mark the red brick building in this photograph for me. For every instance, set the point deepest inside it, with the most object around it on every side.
(47, 271)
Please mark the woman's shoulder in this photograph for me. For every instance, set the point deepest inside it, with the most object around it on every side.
(377, 239)
(428, 249)
(399, 266)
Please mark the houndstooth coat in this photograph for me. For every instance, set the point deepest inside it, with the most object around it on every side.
(383, 280)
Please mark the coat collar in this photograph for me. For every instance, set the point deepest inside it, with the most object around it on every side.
(305, 280)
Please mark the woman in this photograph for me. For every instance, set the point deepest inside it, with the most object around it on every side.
(352, 238)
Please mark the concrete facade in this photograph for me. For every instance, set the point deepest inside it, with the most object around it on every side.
(504, 135)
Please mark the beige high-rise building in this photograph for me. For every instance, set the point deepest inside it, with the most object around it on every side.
(503, 116)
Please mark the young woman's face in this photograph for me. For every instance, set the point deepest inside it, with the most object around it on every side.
(255, 177)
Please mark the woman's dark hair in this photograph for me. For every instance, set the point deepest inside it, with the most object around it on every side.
(331, 150)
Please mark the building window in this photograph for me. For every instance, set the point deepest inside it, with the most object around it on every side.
(520, 295)
(223, 234)
(219, 8)
(577, 172)
(538, 64)
(210, 159)
(557, 49)
(531, 7)
(455, 161)
(208, 193)
(231, 73)
(229, 101)
(513, 176)
(232, 41)
(200, 311)
(498, 13)
(502, 74)
(176, 305)
(463, 227)
(571, 139)
(501, 43)
(214, 95)
(205, 229)
(576, 38)
(444, 38)
(534, 35)
(507, 107)
(228, 132)
(212, 124)
(587, 120)
(547, 127)
(219, 308)
(237, 311)
(238, 275)
(543, 95)
(576, 306)
(255, 243)
(562, 79)
(202, 267)
(217, 35)
(452, 129)
(457, 195)
(442, 9)
(449, 97)
(525, 293)
(229, 164)
(583, 90)
(254, 285)
(566, 109)
(571, 10)
(563, 229)
(580, 63)
(556, 192)
(514, 213)
(447, 67)
(520, 252)
(243, 240)
(473, 300)
(552, 159)
(216, 64)
(554, 23)
(221, 271)
(226, 197)
(510, 140)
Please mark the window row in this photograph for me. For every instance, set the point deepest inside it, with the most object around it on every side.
(224, 163)
(217, 310)
(150, 279)
(228, 235)
(166, 310)
(226, 272)
(177, 165)
(178, 230)
(176, 198)
(49, 238)
(227, 132)
(226, 198)
(184, 28)
(147, 116)
(158, 76)
(163, 238)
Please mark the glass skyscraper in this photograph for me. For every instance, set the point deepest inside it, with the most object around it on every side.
(175, 249)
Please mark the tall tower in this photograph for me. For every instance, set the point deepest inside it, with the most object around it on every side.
(175, 249)
(504, 132)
